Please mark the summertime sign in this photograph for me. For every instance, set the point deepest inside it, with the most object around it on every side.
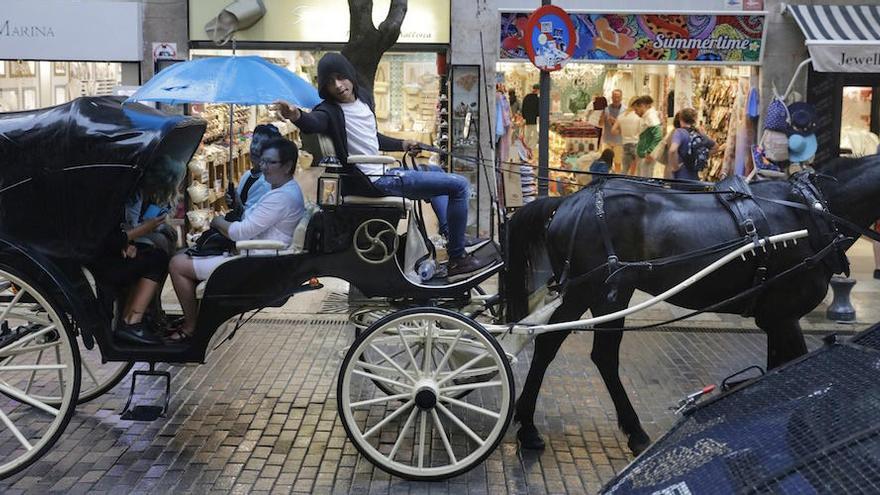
(648, 37)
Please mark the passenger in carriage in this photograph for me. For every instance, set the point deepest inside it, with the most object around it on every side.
(252, 186)
(274, 217)
(346, 116)
(135, 257)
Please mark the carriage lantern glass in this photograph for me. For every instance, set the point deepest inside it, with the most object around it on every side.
(328, 183)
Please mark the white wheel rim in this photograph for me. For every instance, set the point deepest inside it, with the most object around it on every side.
(397, 432)
(27, 421)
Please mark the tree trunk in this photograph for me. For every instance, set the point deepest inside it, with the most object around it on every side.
(366, 42)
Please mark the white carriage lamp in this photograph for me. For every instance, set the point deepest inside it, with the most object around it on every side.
(329, 183)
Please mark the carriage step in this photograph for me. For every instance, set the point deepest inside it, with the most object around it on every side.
(142, 412)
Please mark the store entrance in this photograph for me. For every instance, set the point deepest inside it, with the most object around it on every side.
(859, 120)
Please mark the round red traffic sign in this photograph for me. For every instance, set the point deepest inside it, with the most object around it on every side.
(550, 38)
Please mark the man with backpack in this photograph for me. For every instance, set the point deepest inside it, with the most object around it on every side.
(689, 149)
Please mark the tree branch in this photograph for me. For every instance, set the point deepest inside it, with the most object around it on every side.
(389, 29)
(361, 26)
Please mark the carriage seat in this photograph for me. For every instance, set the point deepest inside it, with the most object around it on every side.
(269, 248)
(375, 199)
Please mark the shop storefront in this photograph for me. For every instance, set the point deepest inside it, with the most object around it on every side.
(844, 78)
(407, 87)
(52, 52)
(705, 61)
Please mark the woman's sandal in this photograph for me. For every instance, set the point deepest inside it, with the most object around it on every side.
(177, 336)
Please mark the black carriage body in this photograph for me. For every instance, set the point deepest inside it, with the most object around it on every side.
(251, 282)
(65, 175)
(66, 171)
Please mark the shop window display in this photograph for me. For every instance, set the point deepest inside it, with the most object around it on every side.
(856, 138)
(718, 93)
(28, 84)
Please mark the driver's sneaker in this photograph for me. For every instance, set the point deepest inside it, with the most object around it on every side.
(464, 267)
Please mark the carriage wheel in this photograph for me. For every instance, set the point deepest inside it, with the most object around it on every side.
(98, 378)
(31, 326)
(424, 429)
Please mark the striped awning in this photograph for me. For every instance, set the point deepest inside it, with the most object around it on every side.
(841, 38)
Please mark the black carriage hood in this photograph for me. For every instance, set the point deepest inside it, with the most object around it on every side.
(66, 171)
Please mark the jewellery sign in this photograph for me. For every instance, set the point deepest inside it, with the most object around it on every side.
(648, 38)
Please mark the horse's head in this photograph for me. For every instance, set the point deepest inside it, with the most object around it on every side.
(852, 187)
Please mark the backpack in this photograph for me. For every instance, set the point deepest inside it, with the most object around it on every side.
(697, 154)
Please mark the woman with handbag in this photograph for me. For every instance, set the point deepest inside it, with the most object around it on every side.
(274, 217)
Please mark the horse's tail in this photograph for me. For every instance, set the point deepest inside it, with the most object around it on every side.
(525, 238)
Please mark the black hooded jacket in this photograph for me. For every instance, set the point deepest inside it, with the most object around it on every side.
(328, 118)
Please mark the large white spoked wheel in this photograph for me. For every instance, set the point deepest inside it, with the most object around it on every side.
(39, 360)
(98, 377)
(425, 429)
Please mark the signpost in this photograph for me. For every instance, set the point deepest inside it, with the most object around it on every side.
(550, 40)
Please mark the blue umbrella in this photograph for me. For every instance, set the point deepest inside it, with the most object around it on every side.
(249, 80)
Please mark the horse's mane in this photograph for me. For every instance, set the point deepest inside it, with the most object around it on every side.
(839, 166)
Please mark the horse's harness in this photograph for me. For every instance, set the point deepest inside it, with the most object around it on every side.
(745, 209)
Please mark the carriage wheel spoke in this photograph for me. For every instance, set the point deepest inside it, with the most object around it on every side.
(427, 357)
(382, 379)
(392, 356)
(58, 360)
(23, 397)
(447, 354)
(30, 317)
(460, 424)
(378, 426)
(33, 368)
(12, 304)
(443, 437)
(379, 400)
(409, 352)
(422, 428)
(15, 431)
(89, 372)
(471, 386)
(402, 433)
(466, 366)
(465, 405)
(27, 338)
(373, 367)
(30, 382)
(393, 363)
(475, 372)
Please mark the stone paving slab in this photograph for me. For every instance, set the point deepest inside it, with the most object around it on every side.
(260, 417)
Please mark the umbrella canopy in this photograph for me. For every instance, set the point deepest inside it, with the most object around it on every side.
(249, 80)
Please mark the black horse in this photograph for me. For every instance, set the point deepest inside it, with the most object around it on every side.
(646, 221)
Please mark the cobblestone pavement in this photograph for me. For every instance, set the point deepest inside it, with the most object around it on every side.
(261, 416)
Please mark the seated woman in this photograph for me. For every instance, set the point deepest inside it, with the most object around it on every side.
(129, 261)
(274, 217)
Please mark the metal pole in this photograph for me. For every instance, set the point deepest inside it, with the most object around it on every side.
(544, 130)
(231, 136)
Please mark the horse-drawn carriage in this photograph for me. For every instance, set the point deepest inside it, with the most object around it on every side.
(425, 392)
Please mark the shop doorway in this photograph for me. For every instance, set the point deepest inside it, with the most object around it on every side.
(859, 122)
(848, 109)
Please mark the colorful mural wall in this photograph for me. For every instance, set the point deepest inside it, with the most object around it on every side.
(647, 37)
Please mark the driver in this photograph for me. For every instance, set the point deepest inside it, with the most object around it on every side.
(346, 116)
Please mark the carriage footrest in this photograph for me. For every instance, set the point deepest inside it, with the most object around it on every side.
(141, 412)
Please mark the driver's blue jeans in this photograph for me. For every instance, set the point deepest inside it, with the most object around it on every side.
(447, 192)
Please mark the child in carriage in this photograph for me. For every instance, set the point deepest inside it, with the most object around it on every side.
(135, 257)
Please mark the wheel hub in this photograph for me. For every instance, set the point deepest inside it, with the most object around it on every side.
(425, 394)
